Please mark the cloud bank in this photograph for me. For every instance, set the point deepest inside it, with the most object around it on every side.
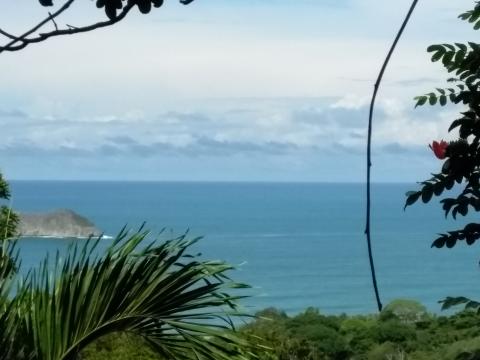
(277, 133)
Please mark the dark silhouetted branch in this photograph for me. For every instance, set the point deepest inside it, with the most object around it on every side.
(369, 150)
(54, 22)
(8, 35)
(25, 40)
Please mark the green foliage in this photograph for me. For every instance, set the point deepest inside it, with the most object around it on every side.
(8, 219)
(460, 300)
(119, 347)
(313, 336)
(472, 16)
(466, 349)
(394, 331)
(461, 157)
(386, 350)
(4, 189)
(178, 304)
(405, 310)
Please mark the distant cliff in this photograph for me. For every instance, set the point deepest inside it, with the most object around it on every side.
(59, 223)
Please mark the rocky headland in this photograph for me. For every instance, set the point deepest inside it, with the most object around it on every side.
(62, 223)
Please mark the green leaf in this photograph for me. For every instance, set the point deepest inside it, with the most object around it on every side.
(456, 123)
(446, 167)
(412, 198)
(450, 302)
(459, 57)
(439, 243)
(427, 193)
(435, 48)
(474, 16)
(450, 47)
(437, 56)
(421, 100)
(447, 58)
(462, 47)
(473, 45)
(450, 242)
(463, 209)
(438, 188)
(449, 183)
(443, 100)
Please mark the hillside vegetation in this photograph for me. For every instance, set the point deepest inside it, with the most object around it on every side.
(404, 330)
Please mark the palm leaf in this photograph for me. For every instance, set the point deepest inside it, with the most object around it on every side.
(14, 343)
(175, 301)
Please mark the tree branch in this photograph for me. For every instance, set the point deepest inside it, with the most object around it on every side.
(25, 40)
(369, 149)
(54, 22)
(8, 35)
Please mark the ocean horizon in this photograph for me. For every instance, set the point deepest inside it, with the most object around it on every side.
(298, 244)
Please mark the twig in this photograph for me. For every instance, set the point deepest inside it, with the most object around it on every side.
(53, 20)
(369, 149)
(8, 35)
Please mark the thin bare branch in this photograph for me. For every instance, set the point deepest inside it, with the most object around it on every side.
(70, 31)
(8, 35)
(53, 20)
(369, 150)
(23, 38)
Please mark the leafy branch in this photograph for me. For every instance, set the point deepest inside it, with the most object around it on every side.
(461, 157)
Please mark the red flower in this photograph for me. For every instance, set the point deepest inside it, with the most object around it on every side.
(439, 149)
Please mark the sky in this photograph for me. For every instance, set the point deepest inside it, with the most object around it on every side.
(226, 90)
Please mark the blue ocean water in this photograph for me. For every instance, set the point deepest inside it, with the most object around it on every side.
(297, 244)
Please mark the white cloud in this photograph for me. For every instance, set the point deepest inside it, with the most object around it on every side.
(313, 123)
(287, 83)
(351, 102)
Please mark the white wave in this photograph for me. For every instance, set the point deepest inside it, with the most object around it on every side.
(103, 237)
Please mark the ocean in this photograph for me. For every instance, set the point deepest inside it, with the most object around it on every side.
(297, 244)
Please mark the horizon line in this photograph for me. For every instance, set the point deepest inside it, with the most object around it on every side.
(212, 181)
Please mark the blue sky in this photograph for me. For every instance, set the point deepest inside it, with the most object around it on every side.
(236, 90)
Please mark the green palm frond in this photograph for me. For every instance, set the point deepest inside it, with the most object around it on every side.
(175, 301)
(14, 343)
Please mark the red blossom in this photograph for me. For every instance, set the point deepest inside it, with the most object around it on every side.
(439, 149)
